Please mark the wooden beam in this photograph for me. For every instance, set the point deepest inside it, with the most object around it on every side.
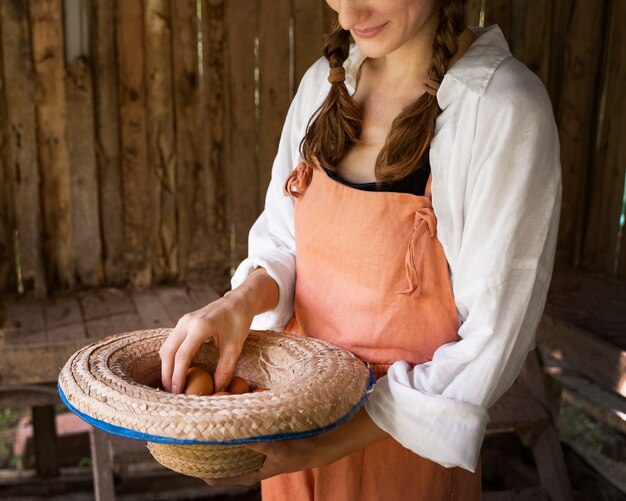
(241, 123)
(161, 141)
(309, 26)
(107, 126)
(472, 12)
(49, 71)
(600, 361)
(194, 242)
(83, 174)
(602, 240)
(210, 195)
(102, 465)
(21, 152)
(136, 176)
(45, 438)
(8, 271)
(582, 59)
(500, 12)
(274, 97)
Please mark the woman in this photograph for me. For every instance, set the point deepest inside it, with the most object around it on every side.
(424, 209)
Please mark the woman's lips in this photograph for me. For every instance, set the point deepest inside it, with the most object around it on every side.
(369, 32)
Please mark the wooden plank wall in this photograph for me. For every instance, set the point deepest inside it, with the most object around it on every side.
(146, 159)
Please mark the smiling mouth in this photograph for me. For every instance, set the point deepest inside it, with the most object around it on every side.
(369, 32)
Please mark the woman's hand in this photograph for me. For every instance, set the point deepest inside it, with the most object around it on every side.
(227, 321)
(295, 455)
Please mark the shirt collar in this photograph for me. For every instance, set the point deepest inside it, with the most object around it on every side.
(473, 70)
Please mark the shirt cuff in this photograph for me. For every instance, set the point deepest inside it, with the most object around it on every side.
(277, 267)
(446, 431)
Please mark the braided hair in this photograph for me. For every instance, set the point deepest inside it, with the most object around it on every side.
(336, 125)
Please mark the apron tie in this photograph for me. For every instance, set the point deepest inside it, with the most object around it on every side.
(425, 223)
(298, 181)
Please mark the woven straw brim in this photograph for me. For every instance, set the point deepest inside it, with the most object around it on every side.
(313, 385)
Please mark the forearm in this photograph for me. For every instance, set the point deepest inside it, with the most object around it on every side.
(258, 293)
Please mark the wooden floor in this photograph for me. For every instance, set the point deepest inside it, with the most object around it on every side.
(38, 336)
(582, 339)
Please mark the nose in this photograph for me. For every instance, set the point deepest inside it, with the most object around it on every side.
(352, 13)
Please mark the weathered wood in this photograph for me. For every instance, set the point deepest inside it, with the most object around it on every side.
(603, 225)
(472, 12)
(308, 30)
(8, 272)
(517, 409)
(150, 309)
(83, 174)
(274, 97)
(176, 301)
(49, 66)
(161, 142)
(600, 361)
(582, 58)
(35, 363)
(61, 310)
(537, 29)
(240, 159)
(21, 152)
(603, 406)
(23, 316)
(500, 12)
(201, 296)
(193, 240)
(135, 174)
(70, 332)
(45, 438)
(594, 302)
(561, 18)
(107, 116)
(102, 303)
(100, 328)
(551, 465)
(211, 202)
(102, 465)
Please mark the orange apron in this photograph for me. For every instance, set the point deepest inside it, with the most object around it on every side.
(371, 277)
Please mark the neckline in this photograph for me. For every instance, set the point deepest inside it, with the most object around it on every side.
(338, 184)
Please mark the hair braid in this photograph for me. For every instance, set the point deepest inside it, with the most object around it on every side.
(408, 142)
(336, 125)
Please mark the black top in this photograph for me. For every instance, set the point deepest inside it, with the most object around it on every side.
(414, 183)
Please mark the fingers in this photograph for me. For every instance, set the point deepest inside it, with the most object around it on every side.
(185, 353)
(225, 369)
(168, 350)
(178, 350)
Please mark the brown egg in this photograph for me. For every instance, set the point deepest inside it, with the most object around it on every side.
(221, 393)
(259, 390)
(199, 382)
(238, 385)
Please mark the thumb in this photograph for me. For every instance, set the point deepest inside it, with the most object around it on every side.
(226, 366)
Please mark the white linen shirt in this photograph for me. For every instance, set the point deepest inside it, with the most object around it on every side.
(496, 193)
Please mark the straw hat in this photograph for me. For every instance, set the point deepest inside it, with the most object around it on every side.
(314, 386)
